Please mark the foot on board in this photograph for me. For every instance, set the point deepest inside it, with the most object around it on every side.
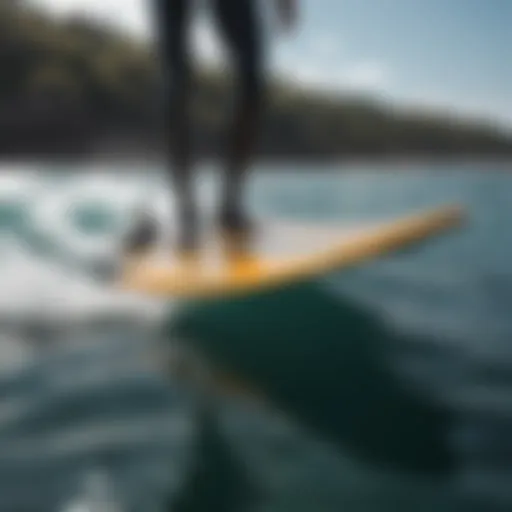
(235, 220)
(236, 228)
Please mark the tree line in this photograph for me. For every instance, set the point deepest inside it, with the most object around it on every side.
(68, 83)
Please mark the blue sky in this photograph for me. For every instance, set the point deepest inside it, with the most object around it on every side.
(454, 54)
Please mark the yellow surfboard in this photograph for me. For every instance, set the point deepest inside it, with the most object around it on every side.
(280, 253)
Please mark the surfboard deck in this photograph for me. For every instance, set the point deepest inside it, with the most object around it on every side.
(278, 254)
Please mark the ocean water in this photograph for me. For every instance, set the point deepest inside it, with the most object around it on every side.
(88, 408)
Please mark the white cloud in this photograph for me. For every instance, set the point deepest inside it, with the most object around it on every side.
(359, 76)
(366, 75)
(319, 60)
(325, 46)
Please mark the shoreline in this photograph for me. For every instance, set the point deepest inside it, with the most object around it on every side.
(134, 153)
(267, 166)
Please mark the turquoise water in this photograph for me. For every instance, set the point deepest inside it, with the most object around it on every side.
(84, 395)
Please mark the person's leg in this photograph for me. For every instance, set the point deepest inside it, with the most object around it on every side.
(172, 17)
(171, 21)
(240, 25)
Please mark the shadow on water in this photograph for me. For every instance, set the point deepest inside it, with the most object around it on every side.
(219, 479)
(324, 360)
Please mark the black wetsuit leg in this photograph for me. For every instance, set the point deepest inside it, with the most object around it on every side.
(239, 23)
(172, 22)
(172, 19)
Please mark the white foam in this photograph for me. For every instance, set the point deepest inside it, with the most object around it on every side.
(49, 288)
(32, 286)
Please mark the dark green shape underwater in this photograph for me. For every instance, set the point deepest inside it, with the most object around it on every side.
(323, 360)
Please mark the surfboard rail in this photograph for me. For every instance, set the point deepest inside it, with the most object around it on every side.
(250, 273)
